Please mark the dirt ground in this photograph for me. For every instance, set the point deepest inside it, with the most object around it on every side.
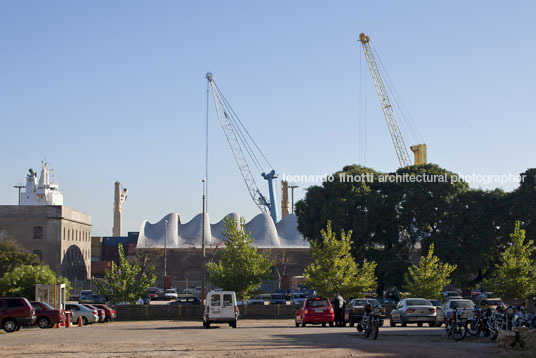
(252, 338)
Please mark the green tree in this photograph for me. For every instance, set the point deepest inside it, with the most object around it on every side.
(515, 275)
(334, 268)
(242, 267)
(22, 280)
(429, 277)
(12, 256)
(125, 282)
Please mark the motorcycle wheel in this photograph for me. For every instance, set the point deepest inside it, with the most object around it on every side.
(459, 332)
(473, 329)
(375, 330)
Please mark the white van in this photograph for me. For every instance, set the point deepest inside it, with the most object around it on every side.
(220, 307)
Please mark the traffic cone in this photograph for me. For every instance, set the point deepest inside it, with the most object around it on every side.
(56, 325)
(80, 324)
(67, 321)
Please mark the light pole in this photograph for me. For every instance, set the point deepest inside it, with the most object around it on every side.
(203, 243)
(165, 249)
(292, 187)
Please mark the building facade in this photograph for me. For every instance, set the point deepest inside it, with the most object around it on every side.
(59, 235)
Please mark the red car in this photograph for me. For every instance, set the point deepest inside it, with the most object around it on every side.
(315, 311)
(16, 312)
(47, 316)
(110, 312)
(100, 311)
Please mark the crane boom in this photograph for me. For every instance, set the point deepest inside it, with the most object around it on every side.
(392, 122)
(236, 148)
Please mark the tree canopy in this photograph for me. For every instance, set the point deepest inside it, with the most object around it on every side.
(22, 280)
(516, 272)
(12, 256)
(393, 219)
(125, 282)
(242, 267)
(429, 277)
(334, 269)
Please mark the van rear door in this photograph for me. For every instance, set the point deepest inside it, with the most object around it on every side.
(228, 308)
(215, 308)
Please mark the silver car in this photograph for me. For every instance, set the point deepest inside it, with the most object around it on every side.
(88, 315)
(464, 306)
(413, 310)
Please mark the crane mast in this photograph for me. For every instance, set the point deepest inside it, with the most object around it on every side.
(388, 111)
(224, 115)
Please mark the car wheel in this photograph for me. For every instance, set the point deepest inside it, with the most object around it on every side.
(84, 321)
(391, 323)
(43, 322)
(431, 324)
(323, 324)
(419, 324)
(331, 324)
(10, 325)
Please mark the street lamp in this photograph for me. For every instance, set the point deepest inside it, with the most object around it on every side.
(292, 187)
(165, 249)
(203, 242)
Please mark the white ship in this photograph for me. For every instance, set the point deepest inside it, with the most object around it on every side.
(43, 192)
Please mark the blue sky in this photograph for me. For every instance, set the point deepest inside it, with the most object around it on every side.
(112, 91)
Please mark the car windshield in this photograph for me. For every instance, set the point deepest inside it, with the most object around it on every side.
(277, 296)
(495, 303)
(299, 295)
(318, 303)
(435, 302)
(171, 291)
(373, 302)
(418, 303)
(461, 304)
(360, 302)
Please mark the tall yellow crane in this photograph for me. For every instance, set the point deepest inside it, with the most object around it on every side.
(402, 153)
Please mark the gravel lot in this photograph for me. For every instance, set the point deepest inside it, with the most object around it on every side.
(252, 338)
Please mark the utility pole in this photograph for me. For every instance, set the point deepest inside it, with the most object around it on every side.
(292, 187)
(203, 243)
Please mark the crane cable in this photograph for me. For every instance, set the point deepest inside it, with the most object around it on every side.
(240, 128)
(409, 126)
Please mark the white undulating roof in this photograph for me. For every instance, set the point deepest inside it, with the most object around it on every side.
(284, 234)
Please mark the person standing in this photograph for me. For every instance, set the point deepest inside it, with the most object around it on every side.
(338, 306)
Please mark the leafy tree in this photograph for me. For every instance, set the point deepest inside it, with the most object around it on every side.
(125, 282)
(515, 277)
(429, 277)
(242, 267)
(12, 256)
(334, 268)
(22, 280)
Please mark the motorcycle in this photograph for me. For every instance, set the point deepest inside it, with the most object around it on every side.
(456, 327)
(478, 323)
(370, 323)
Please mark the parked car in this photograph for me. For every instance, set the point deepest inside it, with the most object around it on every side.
(413, 310)
(297, 298)
(193, 290)
(100, 311)
(16, 312)
(491, 303)
(99, 299)
(257, 300)
(464, 306)
(278, 299)
(109, 312)
(448, 295)
(86, 296)
(220, 307)
(170, 294)
(315, 311)
(355, 308)
(46, 315)
(186, 301)
(437, 304)
(88, 315)
(155, 293)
